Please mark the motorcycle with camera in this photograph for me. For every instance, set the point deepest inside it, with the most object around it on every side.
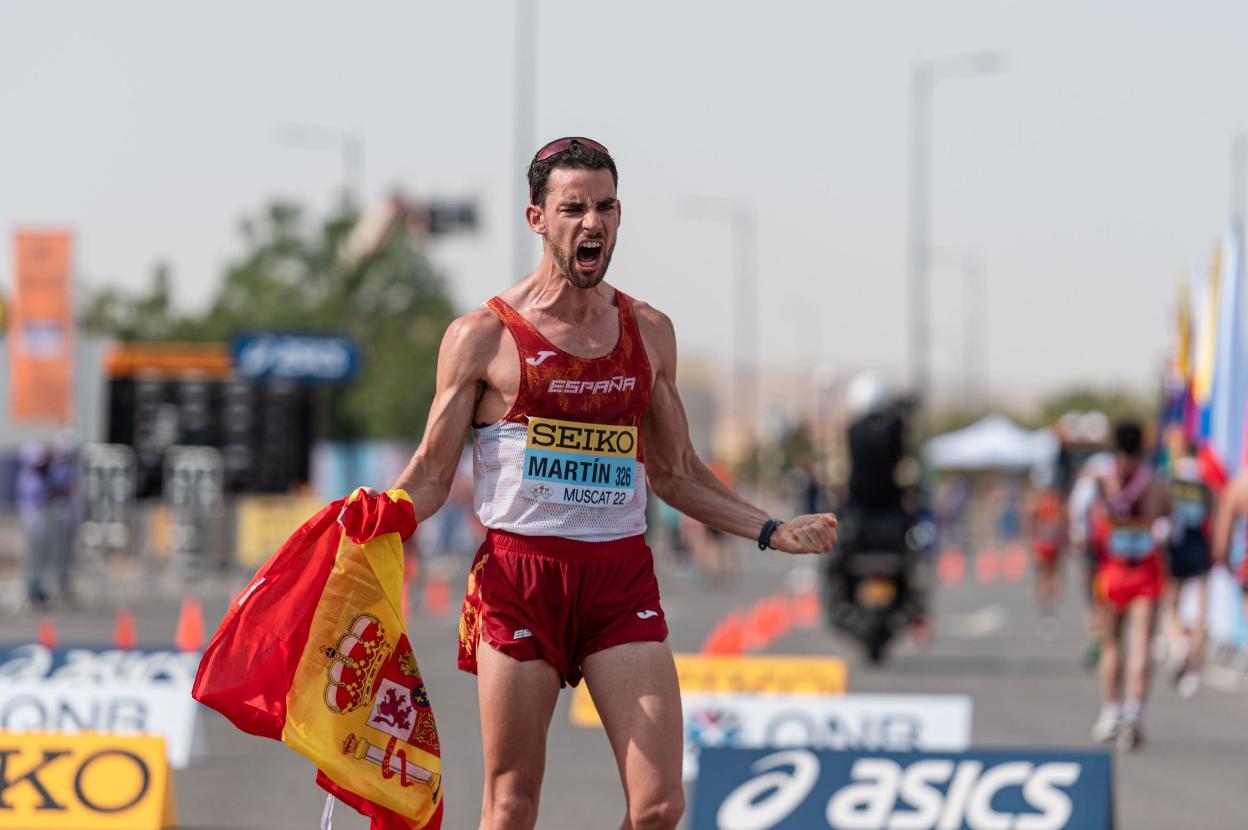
(875, 585)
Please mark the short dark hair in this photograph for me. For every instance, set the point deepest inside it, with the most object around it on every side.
(578, 156)
(1129, 438)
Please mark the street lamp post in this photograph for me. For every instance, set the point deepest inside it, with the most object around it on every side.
(523, 129)
(349, 146)
(924, 76)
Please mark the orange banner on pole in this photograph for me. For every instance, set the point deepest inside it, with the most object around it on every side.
(41, 334)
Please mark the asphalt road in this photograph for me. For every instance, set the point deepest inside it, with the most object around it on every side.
(1027, 692)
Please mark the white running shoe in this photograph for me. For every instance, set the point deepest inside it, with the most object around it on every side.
(1189, 685)
(1105, 730)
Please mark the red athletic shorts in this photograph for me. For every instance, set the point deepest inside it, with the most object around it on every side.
(1119, 582)
(1046, 550)
(559, 600)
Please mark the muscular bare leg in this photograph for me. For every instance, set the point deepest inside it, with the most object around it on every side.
(1141, 622)
(517, 701)
(1196, 643)
(637, 694)
(1110, 626)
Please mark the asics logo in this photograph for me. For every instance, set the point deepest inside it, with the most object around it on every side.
(540, 359)
(647, 614)
(521, 633)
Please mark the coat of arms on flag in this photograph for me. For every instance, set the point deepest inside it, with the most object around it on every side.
(314, 653)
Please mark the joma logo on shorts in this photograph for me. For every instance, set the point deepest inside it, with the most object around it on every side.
(619, 383)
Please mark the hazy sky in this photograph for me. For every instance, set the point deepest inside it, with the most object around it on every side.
(1087, 178)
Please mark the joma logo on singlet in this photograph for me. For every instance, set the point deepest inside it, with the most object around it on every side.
(619, 383)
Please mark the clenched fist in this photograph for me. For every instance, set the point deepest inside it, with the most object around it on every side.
(812, 533)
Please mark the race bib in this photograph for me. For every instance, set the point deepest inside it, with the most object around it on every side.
(566, 462)
(1131, 542)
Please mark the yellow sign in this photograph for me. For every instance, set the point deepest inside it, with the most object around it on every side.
(782, 674)
(586, 439)
(85, 782)
(264, 523)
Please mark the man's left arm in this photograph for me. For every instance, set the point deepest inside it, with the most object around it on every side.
(678, 476)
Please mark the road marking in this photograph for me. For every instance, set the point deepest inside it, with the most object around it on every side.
(975, 625)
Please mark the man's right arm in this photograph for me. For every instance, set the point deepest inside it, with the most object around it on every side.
(463, 359)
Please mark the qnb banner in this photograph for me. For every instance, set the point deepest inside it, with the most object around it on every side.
(91, 690)
(882, 723)
(87, 782)
(788, 789)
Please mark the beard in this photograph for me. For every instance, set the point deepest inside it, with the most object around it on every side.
(567, 267)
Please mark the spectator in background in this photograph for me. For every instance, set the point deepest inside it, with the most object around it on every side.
(1044, 525)
(33, 496)
(63, 513)
(1190, 558)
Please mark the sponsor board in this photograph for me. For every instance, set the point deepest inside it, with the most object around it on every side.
(300, 357)
(760, 674)
(87, 782)
(788, 789)
(863, 722)
(265, 522)
(90, 690)
(98, 665)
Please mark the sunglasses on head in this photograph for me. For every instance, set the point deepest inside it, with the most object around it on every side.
(561, 144)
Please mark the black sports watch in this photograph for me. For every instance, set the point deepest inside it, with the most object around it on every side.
(764, 536)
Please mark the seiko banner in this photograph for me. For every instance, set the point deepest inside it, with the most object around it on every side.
(93, 690)
(802, 789)
(84, 782)
(882, 723)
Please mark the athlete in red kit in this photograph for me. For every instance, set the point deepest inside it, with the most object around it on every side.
(569, 388)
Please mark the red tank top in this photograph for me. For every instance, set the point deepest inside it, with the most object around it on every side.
(566, 459)
(610, 389)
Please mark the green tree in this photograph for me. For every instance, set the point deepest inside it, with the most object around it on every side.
(297, 276)
(1115, 403)
(129, 317)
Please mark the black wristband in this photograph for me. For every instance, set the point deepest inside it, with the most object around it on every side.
(764, 536)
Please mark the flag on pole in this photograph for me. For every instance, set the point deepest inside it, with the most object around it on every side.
(1229, 392)
(314, 653)
(1203, 346)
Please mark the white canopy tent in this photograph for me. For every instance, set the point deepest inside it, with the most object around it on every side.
(993, 443)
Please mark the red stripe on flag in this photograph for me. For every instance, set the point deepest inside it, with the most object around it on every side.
(246, 671)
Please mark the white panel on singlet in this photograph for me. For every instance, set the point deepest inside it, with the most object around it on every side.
(497, 464)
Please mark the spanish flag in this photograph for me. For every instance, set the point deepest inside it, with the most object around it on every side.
(314, 653)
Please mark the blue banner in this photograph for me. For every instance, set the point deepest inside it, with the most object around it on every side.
(301, 357)
(802, 789)
(95, 665)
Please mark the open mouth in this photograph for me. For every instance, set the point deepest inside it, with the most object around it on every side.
(589, 253)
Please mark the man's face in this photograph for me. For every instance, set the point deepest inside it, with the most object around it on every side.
(579, 220)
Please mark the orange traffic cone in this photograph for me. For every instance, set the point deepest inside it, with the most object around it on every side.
(123, 630)
(732, 635)
(806, 608)
(190, 633)
(987, 566)
(714, 641)
(437, 594)
(951, 566)
(1014, 564)
(47, 633)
